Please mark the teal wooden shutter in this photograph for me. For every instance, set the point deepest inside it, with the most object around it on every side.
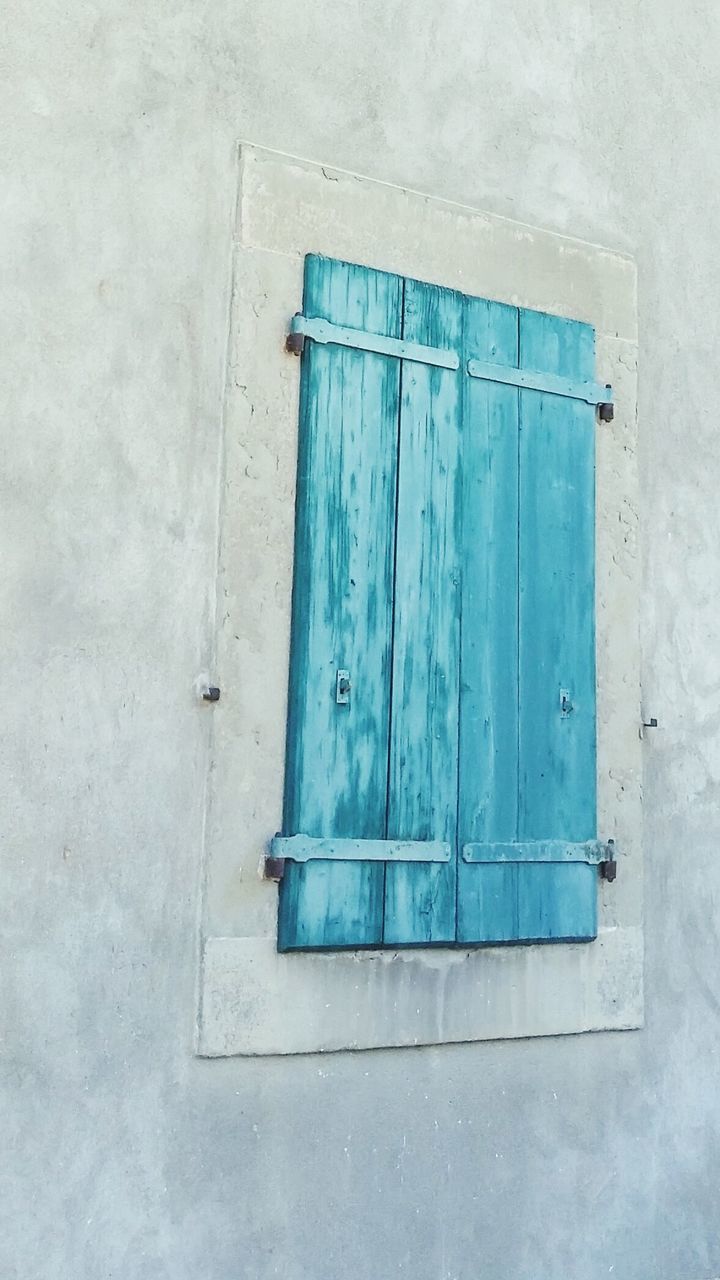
(445, 558)
(528, 767)
(336, 768)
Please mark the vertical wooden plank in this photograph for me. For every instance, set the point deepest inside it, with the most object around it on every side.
(336, 771)
(423, 773)
(557, 632)
(487, 907)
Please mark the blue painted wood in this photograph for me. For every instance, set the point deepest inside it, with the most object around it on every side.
(478, 728)
(301, 848)
(557, 761)
(487, 895)
(336, 767)
(423, 772)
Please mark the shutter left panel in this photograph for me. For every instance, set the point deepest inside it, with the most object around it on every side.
(337, 755)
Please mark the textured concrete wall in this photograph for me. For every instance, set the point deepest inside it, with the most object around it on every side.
(125, 1156)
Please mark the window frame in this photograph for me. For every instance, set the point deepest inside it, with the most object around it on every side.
(252, 1000)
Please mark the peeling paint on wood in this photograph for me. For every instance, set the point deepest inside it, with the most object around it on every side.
(422, 790)
(336, 773)
(445, 556)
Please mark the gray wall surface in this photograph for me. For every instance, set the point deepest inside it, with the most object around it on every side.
(126, 1157)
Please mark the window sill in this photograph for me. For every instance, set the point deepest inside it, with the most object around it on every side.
(256, 1002)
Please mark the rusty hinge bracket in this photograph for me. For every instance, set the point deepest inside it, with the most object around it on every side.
(295, 343)
(273, 868)
(608, 868)
(532, 380)
(323, 332)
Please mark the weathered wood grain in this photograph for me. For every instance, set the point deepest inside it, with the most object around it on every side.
(336, 774)
(422, 790)
(557, 633)
(488, 796)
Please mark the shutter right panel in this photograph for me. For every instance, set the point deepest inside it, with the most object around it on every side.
(557, 754)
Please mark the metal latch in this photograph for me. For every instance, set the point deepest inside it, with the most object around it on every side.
(342, 687)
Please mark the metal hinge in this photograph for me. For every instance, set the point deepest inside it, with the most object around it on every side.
(551, 383)
(323, 332)
(597, 852)
(302, 848)
(302, 327)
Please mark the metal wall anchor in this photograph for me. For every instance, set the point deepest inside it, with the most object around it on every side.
(648, 724)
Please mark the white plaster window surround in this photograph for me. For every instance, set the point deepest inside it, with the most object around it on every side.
(251, 999)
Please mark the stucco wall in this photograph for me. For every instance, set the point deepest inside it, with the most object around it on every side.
(126, 1156)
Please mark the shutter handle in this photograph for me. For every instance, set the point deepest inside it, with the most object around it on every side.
(566, 703)
(342, 687)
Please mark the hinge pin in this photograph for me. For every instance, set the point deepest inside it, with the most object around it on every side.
(608, 868)
(295, 342)
(273, 868)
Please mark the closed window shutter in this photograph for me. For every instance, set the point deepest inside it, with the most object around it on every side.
(336, 770)
(444, 558)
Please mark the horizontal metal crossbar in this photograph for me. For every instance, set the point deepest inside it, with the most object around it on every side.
(324, 332)
(593, 851)
(529, 380)
(306, 848)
